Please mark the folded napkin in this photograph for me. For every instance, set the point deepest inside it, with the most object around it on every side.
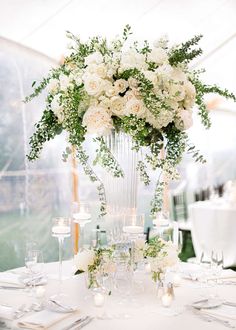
(8, 279)
(37, 279)
(6, 312)
(223, 311)
(42, 320)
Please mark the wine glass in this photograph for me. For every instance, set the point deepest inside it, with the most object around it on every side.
(81, 216)
(217, 261)
(34, 264)
(61, 229)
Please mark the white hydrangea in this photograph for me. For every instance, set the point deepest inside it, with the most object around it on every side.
(97, 120)
(162, 120)
(84, 259)
(94, 58)
(135, 107)
(93, 84)
(190, 95)
(176, 90)
(184, 120)
(132, 59)
(158, 55)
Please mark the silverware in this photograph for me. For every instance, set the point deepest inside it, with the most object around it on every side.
(77, 323)
(84, 323)
(210, 318)
(229, 303)
(68, 308)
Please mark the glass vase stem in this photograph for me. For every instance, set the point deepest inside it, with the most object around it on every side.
(60, 243)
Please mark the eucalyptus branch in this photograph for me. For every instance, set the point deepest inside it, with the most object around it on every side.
(105, 158)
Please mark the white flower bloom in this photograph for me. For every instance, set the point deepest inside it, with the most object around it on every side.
(176, 90)
(135, 107)
(121, 85)
(178, 75)
(190, 95)
(132, 59)
(152, 76)
(184, 120)
(162, 120)
(97, 120)
(133, 83)
(117, 106)
(98, 69)
(94, 58)
(93, 85)
(84, 259)
(64, 82)
(158, 55)
(164, 71)
(53, 85)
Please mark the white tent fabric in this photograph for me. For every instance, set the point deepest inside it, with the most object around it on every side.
(41, 25)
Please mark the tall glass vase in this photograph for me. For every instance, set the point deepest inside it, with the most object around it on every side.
(121, 193)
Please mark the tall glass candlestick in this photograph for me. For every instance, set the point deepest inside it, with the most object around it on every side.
(61, 229)
(81, 215)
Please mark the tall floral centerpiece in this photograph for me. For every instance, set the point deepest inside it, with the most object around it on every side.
(147, 93)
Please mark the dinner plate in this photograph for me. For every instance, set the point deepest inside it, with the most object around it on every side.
(207, 303)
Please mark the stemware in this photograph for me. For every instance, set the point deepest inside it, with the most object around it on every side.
(34, 264)
(81, 215)
(61, 229)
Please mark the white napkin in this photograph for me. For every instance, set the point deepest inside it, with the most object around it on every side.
(42, 320)
(37, 279)
(226, 274)
(6, 312)
(10, 280)
(223, 311)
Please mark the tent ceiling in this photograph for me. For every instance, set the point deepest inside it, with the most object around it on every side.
(41, 25)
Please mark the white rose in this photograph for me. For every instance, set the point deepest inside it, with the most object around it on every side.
(158, 55)
(98, 69)
(95, 58)
(97, 120)
(84, 259)
(184, 120)
(53, 85)
(117, 105)
(93, 85)
(64, 82)
(109, 89)
(121, 85)
(135, 107)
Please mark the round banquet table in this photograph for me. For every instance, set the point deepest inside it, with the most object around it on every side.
(213, 226)
(142, 311)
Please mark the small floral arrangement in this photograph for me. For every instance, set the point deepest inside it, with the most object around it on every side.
(160, 254)
(90, 261)
(146, 92)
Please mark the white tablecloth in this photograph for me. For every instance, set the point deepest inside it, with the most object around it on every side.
(143, 312)
(214, 228)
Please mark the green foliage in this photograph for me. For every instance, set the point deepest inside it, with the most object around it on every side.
(183, 53)
(46, 129)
